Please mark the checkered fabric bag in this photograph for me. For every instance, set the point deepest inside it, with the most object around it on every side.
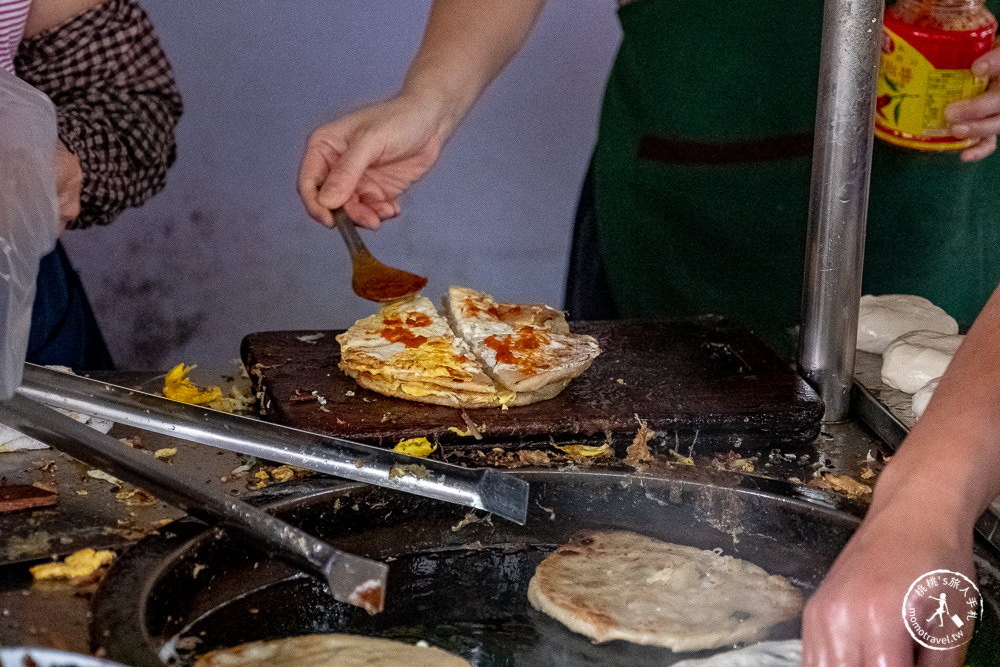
(116, 100)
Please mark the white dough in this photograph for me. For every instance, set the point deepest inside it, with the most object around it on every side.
(786, 653)
(882, 319)
(923, 396)
(916, 358)
(333, 650)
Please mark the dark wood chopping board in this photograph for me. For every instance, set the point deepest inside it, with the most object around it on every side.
(702, 381)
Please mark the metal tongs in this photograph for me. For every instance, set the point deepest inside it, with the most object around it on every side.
(351, 579)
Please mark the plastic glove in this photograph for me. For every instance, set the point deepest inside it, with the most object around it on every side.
(366, 159)
(29, 214)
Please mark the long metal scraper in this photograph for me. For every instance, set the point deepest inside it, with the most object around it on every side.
(352, 579)
(486, 489)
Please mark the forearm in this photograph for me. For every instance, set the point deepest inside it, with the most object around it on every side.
(950, 462)
(69, 182)
(465, 45)
(47, 14)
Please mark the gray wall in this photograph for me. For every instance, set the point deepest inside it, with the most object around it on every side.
(226, 248)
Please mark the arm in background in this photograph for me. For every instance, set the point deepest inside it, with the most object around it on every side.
(926, 502)
(367, 159)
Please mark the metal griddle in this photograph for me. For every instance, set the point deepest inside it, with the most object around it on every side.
(703, 381)
(461, 589)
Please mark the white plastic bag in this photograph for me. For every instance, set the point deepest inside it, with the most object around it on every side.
(29, 214)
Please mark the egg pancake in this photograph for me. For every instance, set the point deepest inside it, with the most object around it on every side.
(408, 350)
(522, 347)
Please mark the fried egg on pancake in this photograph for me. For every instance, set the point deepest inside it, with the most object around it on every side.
(523, 347)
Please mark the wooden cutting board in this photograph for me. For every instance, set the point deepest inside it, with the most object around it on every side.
(702, 381)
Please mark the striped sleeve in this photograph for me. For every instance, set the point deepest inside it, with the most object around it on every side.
(13, 15)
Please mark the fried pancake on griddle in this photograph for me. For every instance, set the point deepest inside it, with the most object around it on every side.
(620, 585)
(523, 347)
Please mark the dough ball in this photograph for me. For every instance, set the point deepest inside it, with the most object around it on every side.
(923, 396)
(883, 319)
(916, 358)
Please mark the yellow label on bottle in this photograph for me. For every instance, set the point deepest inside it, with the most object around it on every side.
(913, 94)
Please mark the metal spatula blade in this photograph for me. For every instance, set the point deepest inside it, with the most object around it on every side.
(371, 279)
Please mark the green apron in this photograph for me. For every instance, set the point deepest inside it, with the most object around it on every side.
(702, 170)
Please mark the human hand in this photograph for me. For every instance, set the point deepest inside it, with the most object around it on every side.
(855, 616)
(367, 159)
(979, 116)
(69, 180)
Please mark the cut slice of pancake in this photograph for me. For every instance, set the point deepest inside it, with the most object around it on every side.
(333, 649)
(523, 347)
(407, 350)
(619, 585)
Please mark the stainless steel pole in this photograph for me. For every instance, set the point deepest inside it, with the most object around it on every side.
(842, 150)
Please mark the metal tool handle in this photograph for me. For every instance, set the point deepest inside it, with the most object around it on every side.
(349, 231)
(352, 579)
(490, 490)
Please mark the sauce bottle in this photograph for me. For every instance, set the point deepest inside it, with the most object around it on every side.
(928, 47)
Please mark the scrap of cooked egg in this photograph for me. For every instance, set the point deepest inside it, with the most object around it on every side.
(415, 447)
(680, 458)
(583, 450)
(78, 564)
(178, 387)
(283, 473)
(846, 484)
